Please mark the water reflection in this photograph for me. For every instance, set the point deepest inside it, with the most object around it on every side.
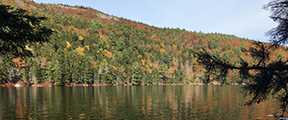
(130, 102)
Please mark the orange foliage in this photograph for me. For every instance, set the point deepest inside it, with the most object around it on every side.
(162, 45)
(143, 69)
(72, 28)
(146, 54)
(156, 47)
(107, 54)
(94, 64)
(185, 55)
(115, 68)
(19, 62)
(121, 69)
(166, 75)
(148, 60)
(149, 47)
(150, 64)
(105, 31)
(118, 32)
(132, 36)
(171, 69)
(124, 74)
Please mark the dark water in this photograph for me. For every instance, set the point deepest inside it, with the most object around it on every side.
(130, 102)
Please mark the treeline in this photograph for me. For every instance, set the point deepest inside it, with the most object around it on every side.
(90, 47)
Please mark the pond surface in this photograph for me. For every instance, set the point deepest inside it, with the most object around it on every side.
(130, 102)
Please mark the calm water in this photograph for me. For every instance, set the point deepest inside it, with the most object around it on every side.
(130, 102)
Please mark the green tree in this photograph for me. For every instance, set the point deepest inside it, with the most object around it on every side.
(17, 29)
(137, 74)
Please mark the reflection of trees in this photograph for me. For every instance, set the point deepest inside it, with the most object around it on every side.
(21, 103)
(179, 102)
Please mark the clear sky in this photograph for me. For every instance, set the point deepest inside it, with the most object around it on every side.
(243, 18)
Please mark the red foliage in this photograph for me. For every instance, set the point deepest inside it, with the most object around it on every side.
(10, 84)
(73, 84)
(47, 84)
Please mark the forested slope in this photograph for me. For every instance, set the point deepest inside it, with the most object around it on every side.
(91, 47)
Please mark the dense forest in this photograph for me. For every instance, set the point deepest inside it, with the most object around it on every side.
(91, 47)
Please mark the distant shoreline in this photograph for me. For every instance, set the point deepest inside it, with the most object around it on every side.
(47, 84)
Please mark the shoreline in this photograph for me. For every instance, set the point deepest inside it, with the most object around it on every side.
(47, 84)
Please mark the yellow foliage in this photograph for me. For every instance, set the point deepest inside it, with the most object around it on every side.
(72, 28)
(80, 50)
(52, 29)
(139, 56)
(162, 50)
(211, 77)
(143, 62)
(27, 48)
(87, 46)
(147, 66)
(148, 69)
(68, 44)
(59, 35)
(80, 38)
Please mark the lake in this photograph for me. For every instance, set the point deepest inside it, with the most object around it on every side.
(130, 102)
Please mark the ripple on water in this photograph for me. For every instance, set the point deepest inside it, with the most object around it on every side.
(145, 102)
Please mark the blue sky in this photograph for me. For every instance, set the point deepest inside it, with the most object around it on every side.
(243, 18)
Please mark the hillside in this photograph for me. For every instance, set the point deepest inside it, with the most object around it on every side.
(91, 47)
